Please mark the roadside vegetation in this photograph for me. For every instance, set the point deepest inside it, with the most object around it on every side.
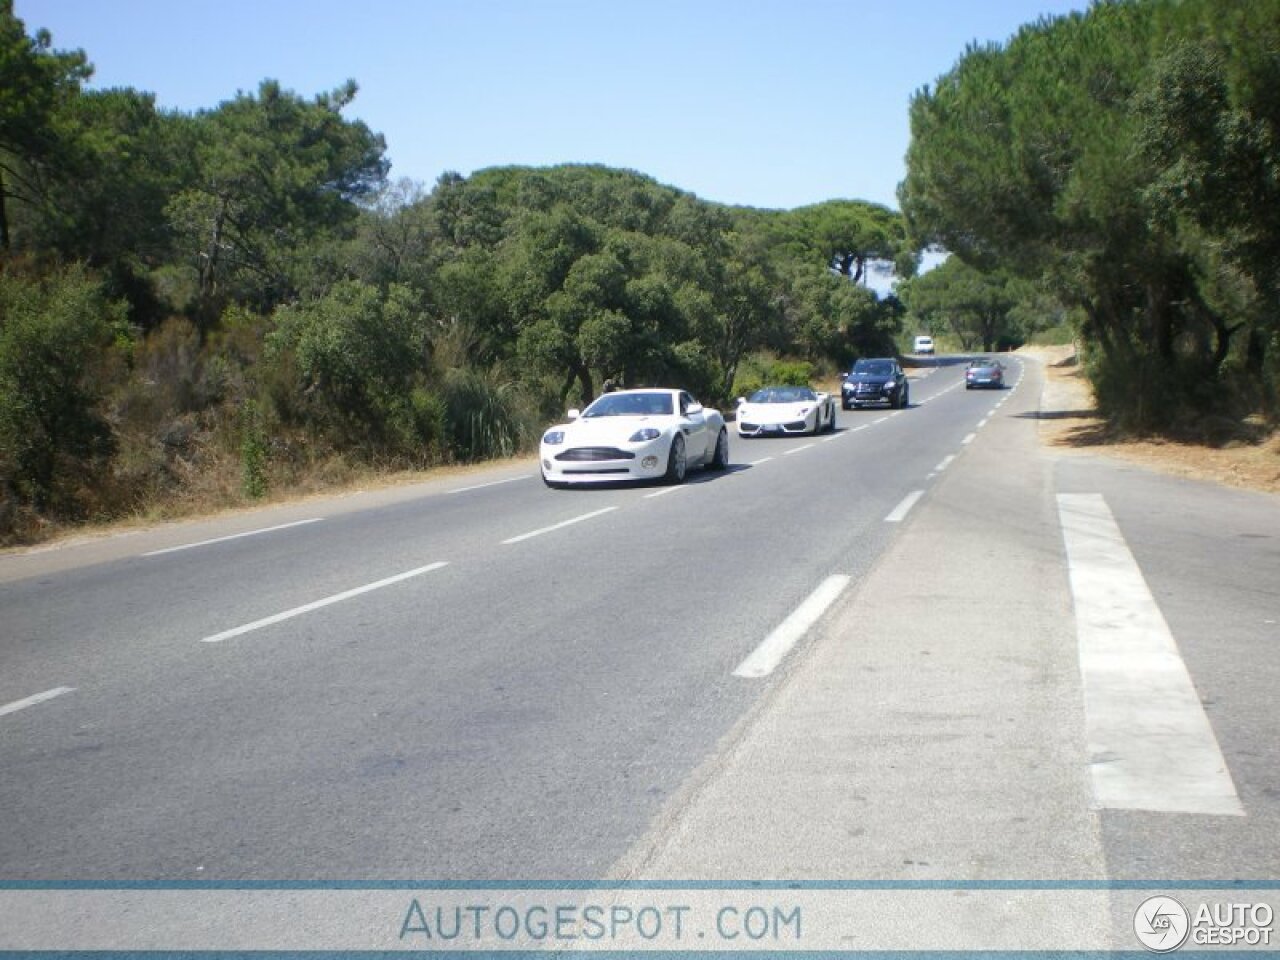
(1124, 165)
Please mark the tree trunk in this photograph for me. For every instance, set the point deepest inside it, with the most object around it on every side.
(584, 381)
(4, 219)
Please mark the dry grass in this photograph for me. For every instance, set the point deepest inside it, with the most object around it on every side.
(217, 494)
(1070, 424)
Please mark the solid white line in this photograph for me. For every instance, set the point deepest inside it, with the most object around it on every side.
(756, 463)
(969, 438)
(307, 608)
(31, 701)
(491, 483)
(899, 513)
(944, 463)
(766, 657)
(797, 449)
(983, 422)
(234, 536)
(557, 526)
(1151, 746)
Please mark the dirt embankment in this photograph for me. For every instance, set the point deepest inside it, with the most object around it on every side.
(1070, 424)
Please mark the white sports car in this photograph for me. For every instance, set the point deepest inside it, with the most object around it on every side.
(634, 435)
(774, 411)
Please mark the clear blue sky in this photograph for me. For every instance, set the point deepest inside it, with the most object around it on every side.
(767, 104)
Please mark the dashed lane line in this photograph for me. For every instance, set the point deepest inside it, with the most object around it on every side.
(234, 536)
(34, 699)
(327, 601)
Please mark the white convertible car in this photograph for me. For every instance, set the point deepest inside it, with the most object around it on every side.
(774, 411)
(634, 435)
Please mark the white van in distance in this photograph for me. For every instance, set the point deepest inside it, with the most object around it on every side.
(923, 345)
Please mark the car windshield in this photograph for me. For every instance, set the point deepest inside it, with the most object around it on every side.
(782, 395)
(630, 405)
(874, 368)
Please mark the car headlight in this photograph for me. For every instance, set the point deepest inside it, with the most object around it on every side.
(553, 437)
(643, 434)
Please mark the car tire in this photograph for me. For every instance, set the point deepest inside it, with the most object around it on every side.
(831, 424)
(677, 462)
(720, 458)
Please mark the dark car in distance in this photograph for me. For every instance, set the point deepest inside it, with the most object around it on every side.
(984, 372)
(875, 380)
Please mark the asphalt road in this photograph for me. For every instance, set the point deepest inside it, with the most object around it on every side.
(482, 679)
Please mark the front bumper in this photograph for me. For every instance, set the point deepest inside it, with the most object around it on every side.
(582, 464)
(874, 393)
(755, 428)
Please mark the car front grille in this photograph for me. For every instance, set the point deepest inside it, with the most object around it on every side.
(591, 454)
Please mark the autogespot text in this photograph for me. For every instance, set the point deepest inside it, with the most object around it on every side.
(477, 924)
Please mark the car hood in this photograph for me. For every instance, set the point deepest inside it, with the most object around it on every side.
(776, 411)
(610, 430)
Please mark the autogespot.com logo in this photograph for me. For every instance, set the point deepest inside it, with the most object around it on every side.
(1162, 924)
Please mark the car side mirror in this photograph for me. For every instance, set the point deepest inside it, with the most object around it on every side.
(741, 401)
(694, 408)
(574, 413)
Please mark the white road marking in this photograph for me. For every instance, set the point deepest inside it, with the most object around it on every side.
(1151, 746)
(234, 536)
(663, 492)
(860, 427)
(983, 422)
(491, 483)
(32, 700)
(756, 463)
(556, 526)
(881, 420)
(327, 601)
(766, 657)
(969, 438)
(899, 513)
(797, 449)
(944, 463)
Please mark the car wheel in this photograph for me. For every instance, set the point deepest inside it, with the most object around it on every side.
(720, 459)
(845, 406)
(677, 462)
(817, 422)
(906, 397)
(831, 424)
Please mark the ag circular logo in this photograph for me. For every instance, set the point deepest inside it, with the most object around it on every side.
(1162, 924)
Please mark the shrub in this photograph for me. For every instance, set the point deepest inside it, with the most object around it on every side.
(56, 335)
(485, 417)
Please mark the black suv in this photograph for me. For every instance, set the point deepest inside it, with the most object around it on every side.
(876, 380)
